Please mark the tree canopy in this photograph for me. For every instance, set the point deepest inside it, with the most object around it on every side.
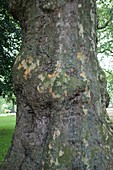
(105, 41)
(10, 41)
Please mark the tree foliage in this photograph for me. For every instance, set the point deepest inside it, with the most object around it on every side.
(105, 40)
(109, 75)
(10, 41)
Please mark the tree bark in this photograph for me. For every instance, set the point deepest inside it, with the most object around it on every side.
(13, 106)
(60, 89)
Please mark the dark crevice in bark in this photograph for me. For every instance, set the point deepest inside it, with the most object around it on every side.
(20, 166)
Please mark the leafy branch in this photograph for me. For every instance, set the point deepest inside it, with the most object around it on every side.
(106, 50)
(108, 72)
(105, 25)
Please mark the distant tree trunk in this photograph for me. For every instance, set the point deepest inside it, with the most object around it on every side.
(13, 106)
(60, 89)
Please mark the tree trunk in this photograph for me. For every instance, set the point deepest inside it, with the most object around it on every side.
(60, 89)
(13, 106)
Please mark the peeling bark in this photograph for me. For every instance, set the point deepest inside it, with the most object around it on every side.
(60, 89)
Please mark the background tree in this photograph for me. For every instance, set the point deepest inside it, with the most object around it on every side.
(109, 75)
(1, 104)
(60, 89)
(105, 41)
(10, 41)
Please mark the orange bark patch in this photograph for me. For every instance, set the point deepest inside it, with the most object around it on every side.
(25, 74)
(53, 94)
(19, 67)
(50, 89)
(57, 67)
(66, 75)
(53, 75)
(89, 101)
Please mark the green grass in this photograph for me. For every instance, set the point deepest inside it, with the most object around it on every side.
(7, 125)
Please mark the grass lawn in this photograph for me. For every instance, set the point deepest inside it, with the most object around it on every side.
(7, 125)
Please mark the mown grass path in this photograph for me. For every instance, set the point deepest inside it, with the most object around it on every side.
(7, 125)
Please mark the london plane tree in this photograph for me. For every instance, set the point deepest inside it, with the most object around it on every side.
(60, 89)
